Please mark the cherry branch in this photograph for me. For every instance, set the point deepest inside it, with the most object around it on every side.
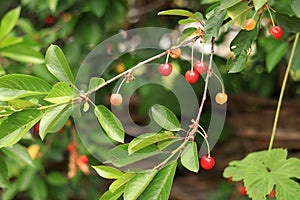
(129, 71)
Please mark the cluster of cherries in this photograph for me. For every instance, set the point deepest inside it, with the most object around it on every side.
(276, 31)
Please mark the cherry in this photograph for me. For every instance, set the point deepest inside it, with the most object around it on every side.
(191, 76)
(272, 193)
(200, 66)
(49, 20)
(250, 24)
(242, 190)
(71, 147)
(165, 69)
(207, 162)
(175, 53)
(276, 31)
(61, 130)
(36, 127)
(221, 98)
(229, 179)
(116, 99)
(84, 159)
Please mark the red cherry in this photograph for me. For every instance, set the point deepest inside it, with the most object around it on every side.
(191, 76)
(84, 159)
(207, 162)
(242, 190)
(165, 69)
(37, 127)
(200, 66)
(116, 99)
(61, 130)
(49, 20)
(71, 147)
(229, 179)
(276, 31)
(272, 194)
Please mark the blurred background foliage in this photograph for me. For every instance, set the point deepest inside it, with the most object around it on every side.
(77, 26)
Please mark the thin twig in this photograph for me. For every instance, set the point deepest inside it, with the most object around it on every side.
(208, 74)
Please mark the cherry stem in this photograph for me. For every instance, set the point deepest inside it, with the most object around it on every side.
(167, 59)
(206, 141)
(202, 53)
(192, 67)
(209, 69)
(220, 81)
(254, 14)
(271, 16)
(118, 90)
(282, 92)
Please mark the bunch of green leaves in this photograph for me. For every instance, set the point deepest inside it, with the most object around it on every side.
(265, 170)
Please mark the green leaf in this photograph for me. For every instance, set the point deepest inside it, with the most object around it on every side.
(263, 170)
(228, 3)
(120, 182)
(95, 82)
(38, 190)
(9, 21)
(19, 153)
(54, 118)
(4, 182)
(160, 186)
(275, 55)
(147, 139)
(240, 46)
(61, 93)
(52, 4)
(178, 12)
(239, 13)
(295, 67)
(186, 33)
(16, 125)
(23, 53)
(108, 172)
(189, 157)
(187, 21)
(138, 184)
(259, 3)
(57, 64)
(9, 193)
(108, 195)
(296, 7)
(289, 24)
(25, 178)
(165, 118)
(15, 86)
(110, 123)
(119, 156)
(56, 179)
(21, 104)
(213, 24)
(98, 7)
(10, 40)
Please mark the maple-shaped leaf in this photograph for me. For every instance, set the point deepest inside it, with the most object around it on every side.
(262, 171)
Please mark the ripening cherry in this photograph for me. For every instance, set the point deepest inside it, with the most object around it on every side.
(175, 53)
(191, 76)
(250, 24)
(165, 69)
(84, 159)
(221, 98)
(49, 20)
(272, 194)
(36, 127)
(71, 147)
(242, 190)
(276, 31)
(116, 99)
(207, 162)
(200, 66)
(61, 129)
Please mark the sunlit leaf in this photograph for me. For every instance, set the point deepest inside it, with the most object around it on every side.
(122, 181)
(160, 186)
(14, 86)
(178, 12)
(147, 139)
(57, 64)
(108, 172)
(61, 93)
(9, 21)
(165, 118)
(138, 184)
(189, 157)
(110, 123)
